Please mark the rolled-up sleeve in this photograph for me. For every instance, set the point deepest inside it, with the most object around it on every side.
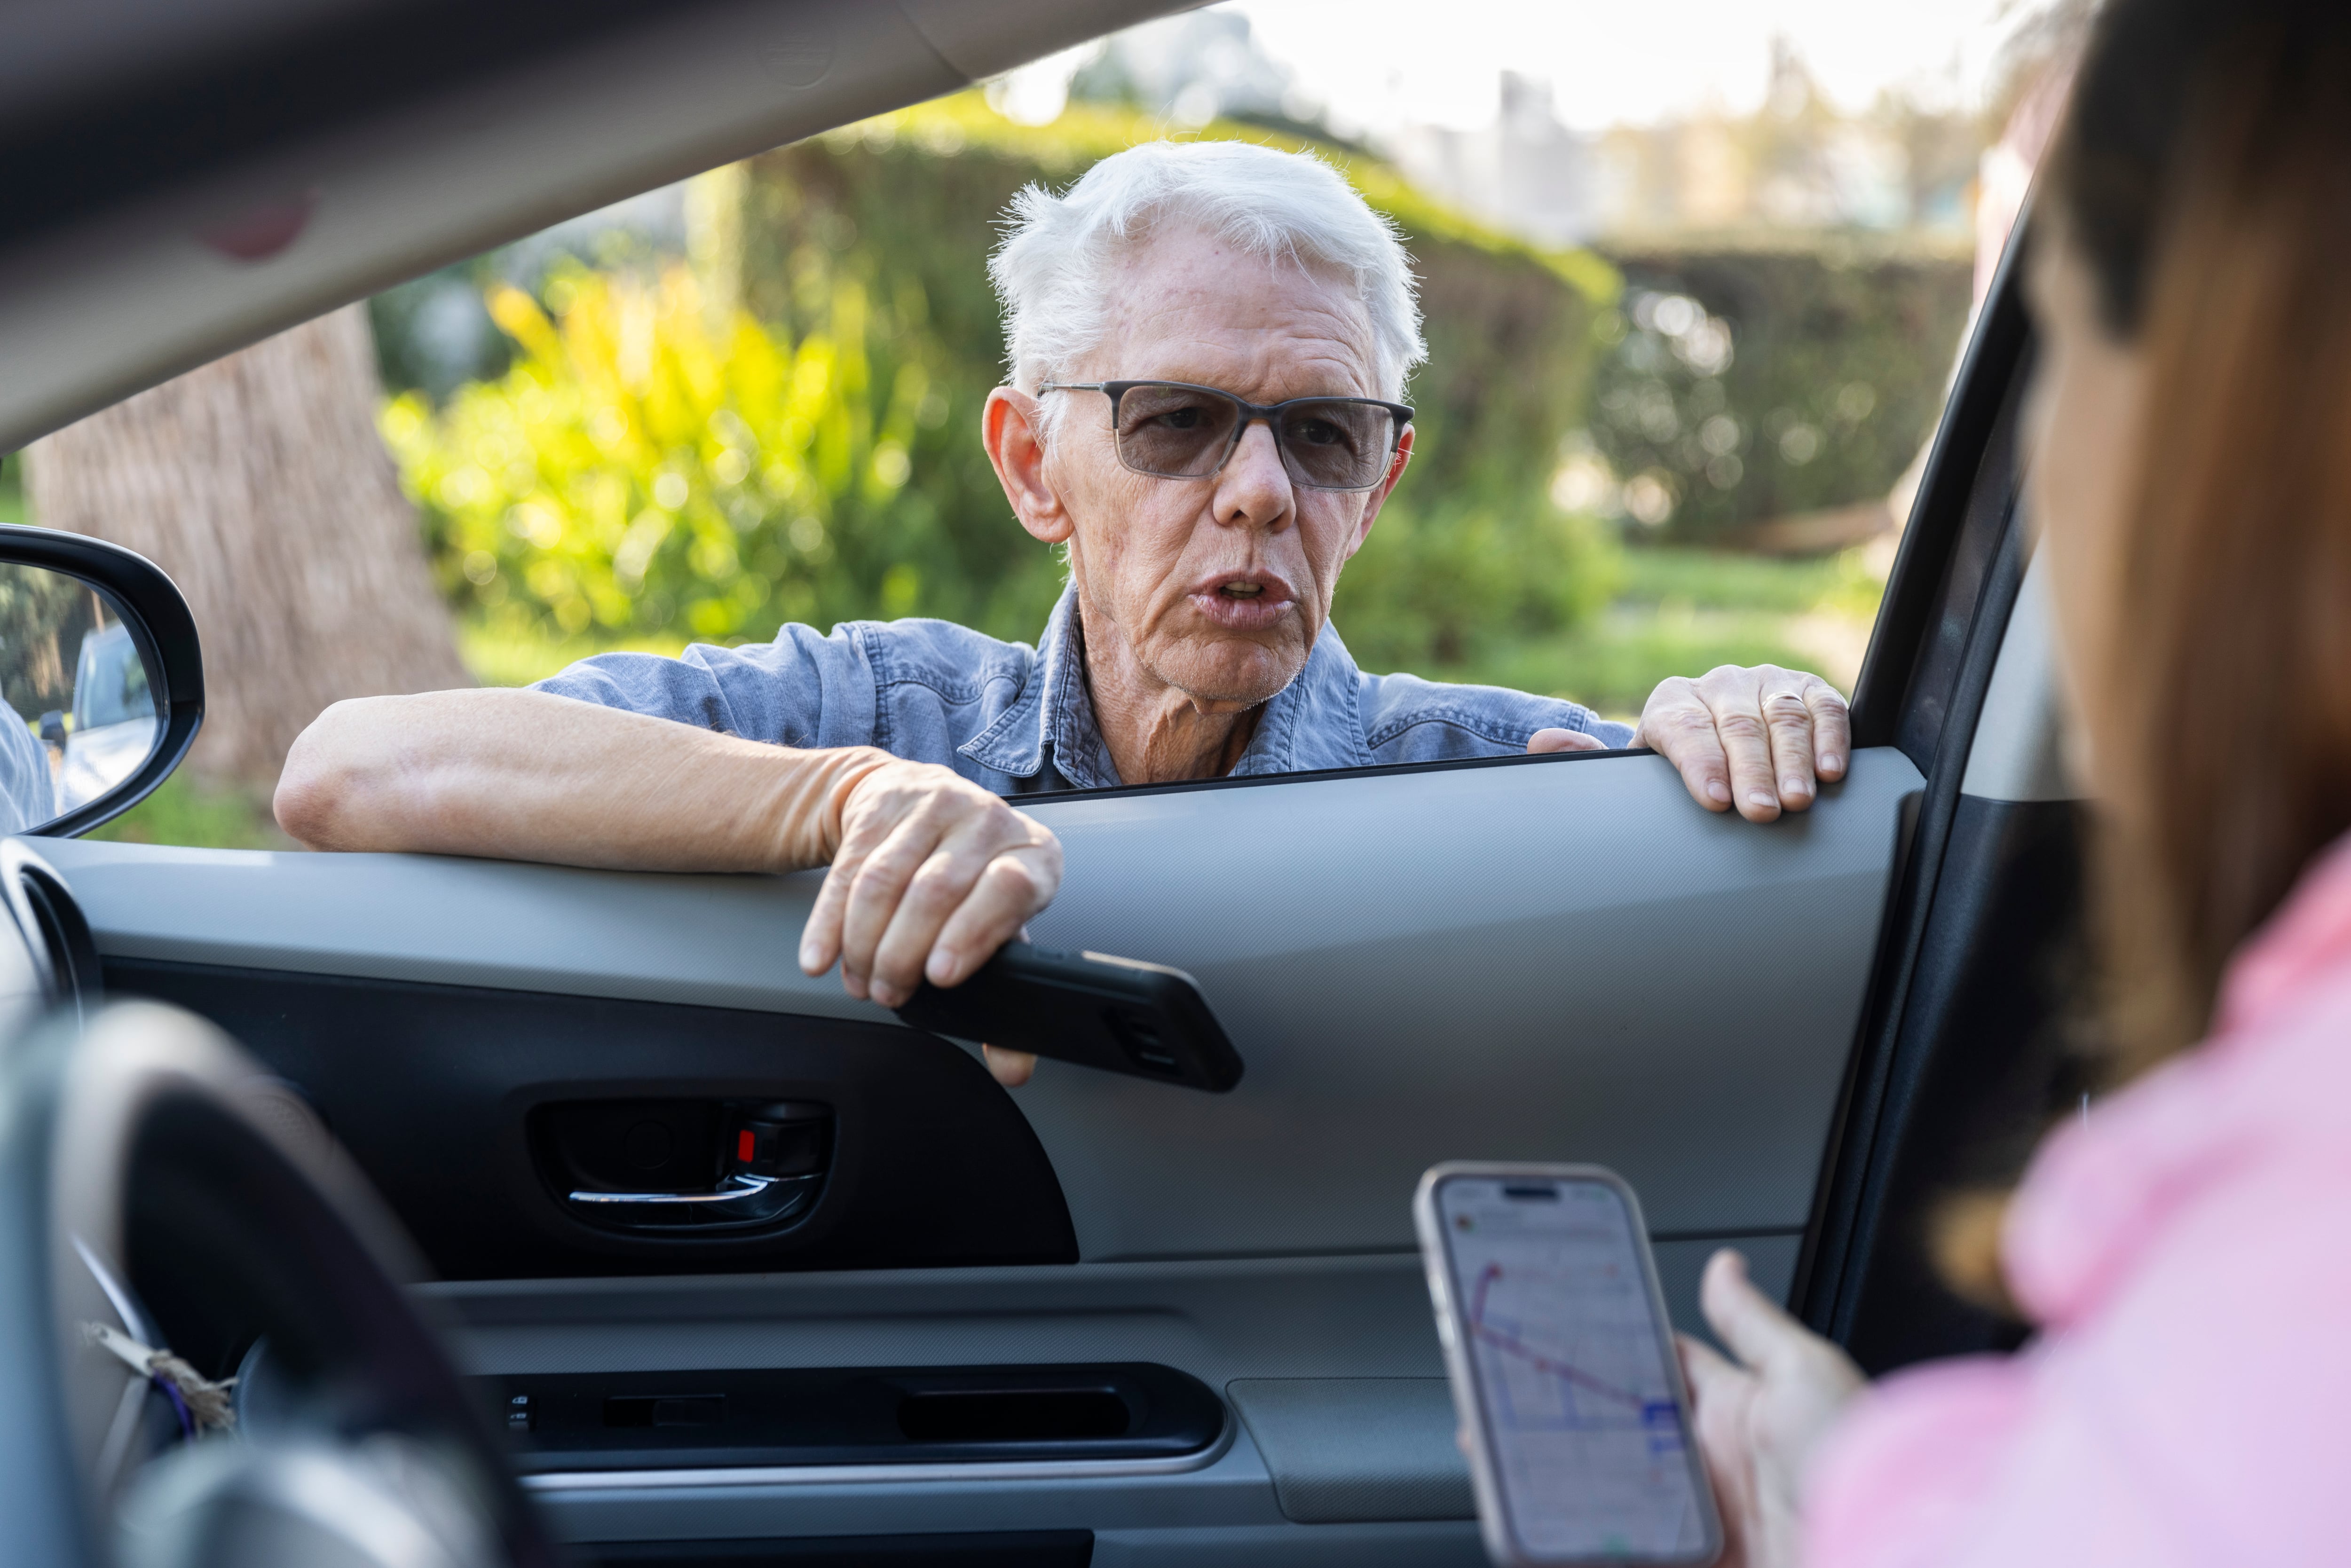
(805, 688)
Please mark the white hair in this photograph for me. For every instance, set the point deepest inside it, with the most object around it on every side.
(1053, 270)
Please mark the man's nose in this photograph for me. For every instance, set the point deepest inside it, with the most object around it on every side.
(1253, 490)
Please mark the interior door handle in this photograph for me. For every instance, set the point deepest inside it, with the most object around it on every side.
(743, 1199)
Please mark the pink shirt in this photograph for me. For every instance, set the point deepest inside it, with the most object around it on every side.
(2187, 1253)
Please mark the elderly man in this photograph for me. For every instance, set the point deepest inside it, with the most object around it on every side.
(1208, 346)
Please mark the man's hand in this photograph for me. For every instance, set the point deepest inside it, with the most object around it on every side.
(932, 875)
(1764, 739)
(1761, 1419)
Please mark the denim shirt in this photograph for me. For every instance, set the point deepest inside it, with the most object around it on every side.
(1019, 720)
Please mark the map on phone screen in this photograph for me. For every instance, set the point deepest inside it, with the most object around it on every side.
(1570, 1359)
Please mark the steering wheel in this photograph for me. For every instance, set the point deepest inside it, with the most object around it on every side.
(160, 1192)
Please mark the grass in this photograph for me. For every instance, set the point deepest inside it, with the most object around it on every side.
(184, 812)
(12, 488)
(1683, 612)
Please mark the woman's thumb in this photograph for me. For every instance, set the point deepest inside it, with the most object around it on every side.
(1742, 1317)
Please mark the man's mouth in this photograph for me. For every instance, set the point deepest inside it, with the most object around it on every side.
(1243, 601)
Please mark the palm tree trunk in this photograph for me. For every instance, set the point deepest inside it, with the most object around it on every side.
(259, 483)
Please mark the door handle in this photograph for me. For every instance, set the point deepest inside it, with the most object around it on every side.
(743, 1199)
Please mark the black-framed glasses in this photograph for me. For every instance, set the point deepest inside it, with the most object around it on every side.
(1174, 430)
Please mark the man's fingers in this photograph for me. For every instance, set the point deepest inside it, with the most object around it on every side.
(821, 938)
(989, 872)
(1789, 720)
(1760, 740)
(940, 886)
(1676, 724)
(1734, 703)
(1013, 886)
(992, 870)
(916, 887)
(1550, 740)
(1009, 1068)
(1832, 729)
(1754, 1326)
(875, 892)
(964, 900)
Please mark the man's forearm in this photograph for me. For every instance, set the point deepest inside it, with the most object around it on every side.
(521, 775)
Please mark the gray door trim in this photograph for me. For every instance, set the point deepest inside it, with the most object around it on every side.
(1564, 960)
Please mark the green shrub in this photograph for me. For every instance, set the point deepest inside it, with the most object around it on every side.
(643, 467)
(1450, 586)
(1837, 357)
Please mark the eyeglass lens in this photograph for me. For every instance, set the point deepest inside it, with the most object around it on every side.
(1185, 433)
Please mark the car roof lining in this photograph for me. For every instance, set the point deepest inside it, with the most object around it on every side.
(395, 156)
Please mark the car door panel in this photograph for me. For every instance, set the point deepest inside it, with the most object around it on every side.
(1560, 959)
(1535, 961)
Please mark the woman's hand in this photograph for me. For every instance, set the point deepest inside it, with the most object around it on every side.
(1760, 1422)
(932, 875)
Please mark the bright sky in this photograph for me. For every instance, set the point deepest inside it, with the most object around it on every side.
(1377, 63)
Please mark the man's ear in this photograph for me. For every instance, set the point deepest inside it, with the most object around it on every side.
(1009, 428)
(1379, 497)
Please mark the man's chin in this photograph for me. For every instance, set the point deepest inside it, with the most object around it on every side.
(1229, 672)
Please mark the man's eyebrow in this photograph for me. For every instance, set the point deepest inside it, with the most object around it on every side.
(1272, 389)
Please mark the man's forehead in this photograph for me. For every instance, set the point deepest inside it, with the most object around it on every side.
(1187, 306)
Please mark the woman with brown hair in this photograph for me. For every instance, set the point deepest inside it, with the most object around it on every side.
(2185, 1249)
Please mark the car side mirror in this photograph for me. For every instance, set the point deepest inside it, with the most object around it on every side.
(96, 641)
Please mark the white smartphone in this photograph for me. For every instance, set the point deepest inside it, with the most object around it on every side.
(1576, 1420)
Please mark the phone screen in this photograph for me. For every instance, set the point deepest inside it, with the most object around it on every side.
(1574, 1389)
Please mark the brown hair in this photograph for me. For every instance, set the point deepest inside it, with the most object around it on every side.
(2204, 174)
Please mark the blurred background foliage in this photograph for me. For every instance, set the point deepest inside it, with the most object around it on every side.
(1751, 383)
(653, 461)
(44, 616)
(12, 488)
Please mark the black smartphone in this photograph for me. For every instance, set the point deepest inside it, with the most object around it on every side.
(1121, 1015)
(1564, 1375)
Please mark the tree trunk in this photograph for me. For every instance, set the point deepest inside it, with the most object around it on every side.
(259, 483)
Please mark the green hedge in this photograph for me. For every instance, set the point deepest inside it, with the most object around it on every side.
(1840, 350)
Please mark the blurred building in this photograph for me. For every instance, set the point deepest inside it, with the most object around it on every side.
(1797, 162)
(1526, 172)
(1193, 68)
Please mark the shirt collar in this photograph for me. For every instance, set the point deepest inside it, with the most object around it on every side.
(1053, 710)
(1311, 723)
(1314, 722)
